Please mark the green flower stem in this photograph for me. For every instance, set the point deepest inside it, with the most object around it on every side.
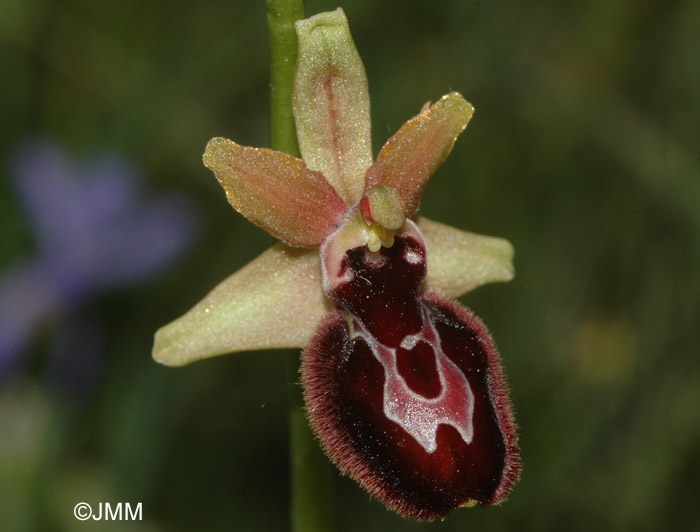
(281, 15)
(312, 491)
(312, 501)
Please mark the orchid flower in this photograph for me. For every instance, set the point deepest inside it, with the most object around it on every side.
(402, 385)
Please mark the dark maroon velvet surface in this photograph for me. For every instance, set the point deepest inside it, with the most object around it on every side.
(344, 387)
(384, 297)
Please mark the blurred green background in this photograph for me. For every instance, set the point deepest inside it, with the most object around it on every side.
(583, 152)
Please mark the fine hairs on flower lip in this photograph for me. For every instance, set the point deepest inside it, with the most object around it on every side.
(402, 386)
(342, 375)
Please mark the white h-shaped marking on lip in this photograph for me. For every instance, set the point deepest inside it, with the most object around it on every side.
(417, 415)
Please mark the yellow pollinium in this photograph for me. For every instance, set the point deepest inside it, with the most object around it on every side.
(378, 236)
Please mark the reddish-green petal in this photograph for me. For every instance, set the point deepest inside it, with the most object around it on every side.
(459, 261)
(331, 104)
(276, 191)
(412, 155)
(274, 302)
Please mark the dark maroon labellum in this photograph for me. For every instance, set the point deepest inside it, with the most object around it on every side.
(405, 391)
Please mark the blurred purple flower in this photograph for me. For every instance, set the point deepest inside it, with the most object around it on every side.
(94, 229)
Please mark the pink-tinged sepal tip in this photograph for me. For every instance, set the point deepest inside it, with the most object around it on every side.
(406, 392)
